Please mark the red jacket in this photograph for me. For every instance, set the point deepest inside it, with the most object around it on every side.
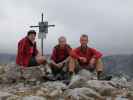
(60, 54)
(26, 49)
(88, 54)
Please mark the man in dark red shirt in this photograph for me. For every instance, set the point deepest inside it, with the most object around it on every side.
(27, 54)
(88, 58)
(60, 57)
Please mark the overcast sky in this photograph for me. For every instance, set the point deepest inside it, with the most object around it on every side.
(108, 23)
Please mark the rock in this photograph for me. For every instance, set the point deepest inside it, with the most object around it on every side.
(12, 71)
(2, 71)
(82, 94)
(77, 82)
(33, 98)
(87, 74)
(121, 98)
(120, 82)
(54, 85)
(103, 87)
(4, 95)
(130, 95)
(32, 72)
(83, 86)
(40, 93)
(55, 93)
(81, 79)
(14, 97)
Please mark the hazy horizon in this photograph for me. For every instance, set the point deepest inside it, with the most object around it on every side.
(107, 23)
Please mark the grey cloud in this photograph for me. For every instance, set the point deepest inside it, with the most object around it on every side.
(107, 22)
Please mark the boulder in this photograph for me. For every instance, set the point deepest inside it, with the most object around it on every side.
(14, 72)
(33, 98)
(102, 87)
(82, 94)
(4, 95)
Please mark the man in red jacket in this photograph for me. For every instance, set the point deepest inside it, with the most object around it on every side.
(27, 54)
(60, 57)
(88, 58)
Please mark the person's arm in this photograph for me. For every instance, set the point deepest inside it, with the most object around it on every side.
(74, 53)
(65, 61)
(22, 46)
(53, 63)
(69, 49)
(53, 57)
(96, 54)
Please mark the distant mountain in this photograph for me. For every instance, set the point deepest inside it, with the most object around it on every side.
(117, 64)
(7, 58)
(113, 64)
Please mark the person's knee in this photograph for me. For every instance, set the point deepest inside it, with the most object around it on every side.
(41, 59)
(99, 65)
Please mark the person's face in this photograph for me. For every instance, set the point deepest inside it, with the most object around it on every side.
(32, 37)
(62, 42)
(83, 41)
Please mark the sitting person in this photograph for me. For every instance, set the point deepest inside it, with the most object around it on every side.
(87, 58)
(60, 57)
(27, 54)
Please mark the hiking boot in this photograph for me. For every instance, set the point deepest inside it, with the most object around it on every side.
(49, 77)
(59, 77)
(66, 81)
(102, 76)
(70, 75)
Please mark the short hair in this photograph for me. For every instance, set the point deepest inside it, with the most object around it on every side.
(61, 37)
(84, 35)
(31, 32)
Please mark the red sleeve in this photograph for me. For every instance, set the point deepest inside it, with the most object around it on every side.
(23, 50)
(53, 56)
(74, 53)
(96, 54)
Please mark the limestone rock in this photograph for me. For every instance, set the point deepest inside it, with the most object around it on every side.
(103, 87)
(82, 94)
(33, 98)
(4, 95)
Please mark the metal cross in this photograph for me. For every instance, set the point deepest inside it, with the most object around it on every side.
(43, 30)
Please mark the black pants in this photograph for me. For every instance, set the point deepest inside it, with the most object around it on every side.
(32, 62)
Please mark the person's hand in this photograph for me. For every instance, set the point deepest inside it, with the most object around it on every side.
(83, 59)
(92, 61)
(39, 54)
(33, 42)
(22, 68)
(59, 65)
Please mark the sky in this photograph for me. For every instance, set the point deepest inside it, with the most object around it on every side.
(108, 23)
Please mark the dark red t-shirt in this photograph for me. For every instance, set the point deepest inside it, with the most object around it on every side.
(88, 54)
(59, 54)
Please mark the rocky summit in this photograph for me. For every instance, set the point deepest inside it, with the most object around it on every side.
(83, 86)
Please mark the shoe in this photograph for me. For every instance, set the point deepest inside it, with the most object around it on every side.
(59, 77)
(49, 78)
(102, 76)
(70, 75)
(66, 82)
